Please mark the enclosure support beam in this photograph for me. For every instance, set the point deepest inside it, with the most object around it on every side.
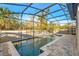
(77, 29)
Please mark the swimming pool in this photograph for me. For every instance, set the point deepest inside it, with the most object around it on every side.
(32, 47)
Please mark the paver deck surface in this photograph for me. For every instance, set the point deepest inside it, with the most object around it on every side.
(63, 47)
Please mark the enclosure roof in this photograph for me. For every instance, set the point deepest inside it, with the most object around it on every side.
(51, 11)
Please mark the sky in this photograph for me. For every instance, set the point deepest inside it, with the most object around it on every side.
(19, 9)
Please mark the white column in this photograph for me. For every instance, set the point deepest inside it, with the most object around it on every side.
(77, 29)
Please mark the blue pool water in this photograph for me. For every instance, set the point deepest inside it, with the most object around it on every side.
(30, 47)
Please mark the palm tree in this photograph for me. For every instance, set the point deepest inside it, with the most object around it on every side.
(43, 21)
(5, 21)
(4, 13)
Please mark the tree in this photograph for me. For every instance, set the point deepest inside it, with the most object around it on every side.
(6, 19)
(43, 21)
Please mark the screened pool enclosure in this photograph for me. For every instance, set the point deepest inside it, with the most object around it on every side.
(30, 26)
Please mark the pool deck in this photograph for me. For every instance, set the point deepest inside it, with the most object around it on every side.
(63, 46)
(7, 49)
(16, 37)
